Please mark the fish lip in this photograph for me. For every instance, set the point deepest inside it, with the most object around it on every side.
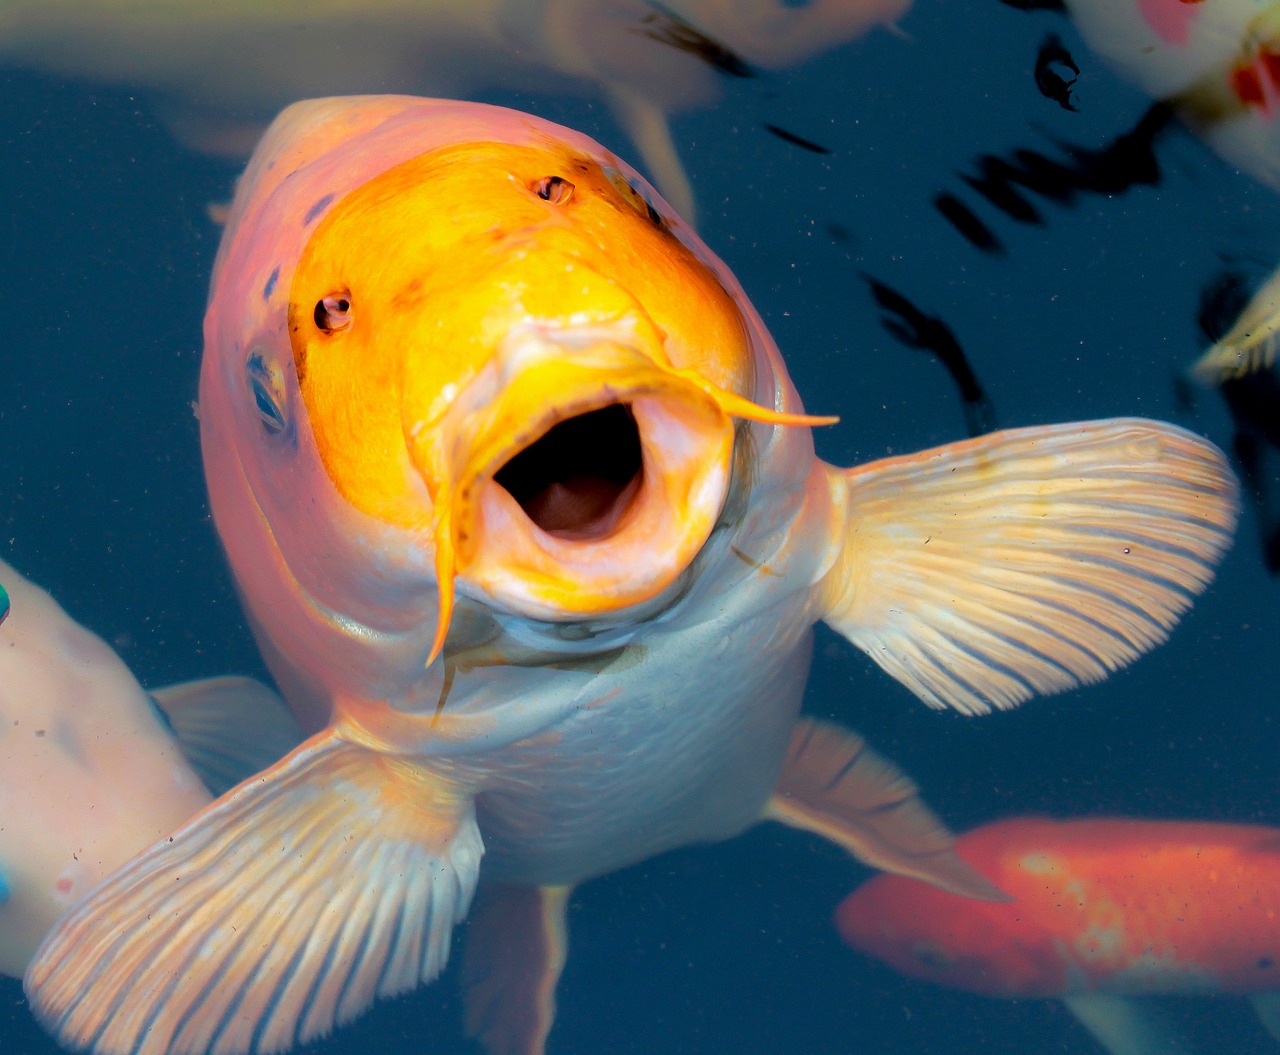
(652, 527)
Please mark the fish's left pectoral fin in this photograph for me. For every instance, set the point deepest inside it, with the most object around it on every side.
(281, 911)
(228, 728)
(516, 941)
(1028, 561)
(834, 785)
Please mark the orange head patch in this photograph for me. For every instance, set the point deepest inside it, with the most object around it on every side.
(504, 349)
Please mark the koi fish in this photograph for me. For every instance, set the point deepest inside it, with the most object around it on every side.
(1249, 346)
(1216, 61)
(527, 516)
(1104, 909)
(221, 71)
(92, 769)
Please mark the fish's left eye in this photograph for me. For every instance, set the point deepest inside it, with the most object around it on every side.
(333, 313)
(654, 216)
(635, 197)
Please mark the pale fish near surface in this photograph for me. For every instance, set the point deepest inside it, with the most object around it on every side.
(219, 71)
(90, 771)
(526, 513)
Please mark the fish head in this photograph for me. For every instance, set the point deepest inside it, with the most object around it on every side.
(494, 364)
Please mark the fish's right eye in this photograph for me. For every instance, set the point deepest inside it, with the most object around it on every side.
(555, 189)
(267, 386)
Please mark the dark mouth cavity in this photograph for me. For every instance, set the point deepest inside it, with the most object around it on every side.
(578, 479)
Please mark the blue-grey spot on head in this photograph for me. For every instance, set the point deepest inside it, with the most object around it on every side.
(5, 891)
(4, 604)
(265, 381)
(317, 209)
(270, 287)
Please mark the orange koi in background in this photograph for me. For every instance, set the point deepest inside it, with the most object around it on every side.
(1101, 911)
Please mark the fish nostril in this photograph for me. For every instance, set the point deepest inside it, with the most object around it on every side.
(580, 477)
(555, 189)
(333, 313)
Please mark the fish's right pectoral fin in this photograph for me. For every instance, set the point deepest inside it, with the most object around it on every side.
(834, 785)
(1028, 561)
(511, 962)
(281, 911)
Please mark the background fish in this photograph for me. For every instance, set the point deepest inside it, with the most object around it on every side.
(1215, 61)
(219, 72)
(90, 770)
(1103, 910)
(526, 512)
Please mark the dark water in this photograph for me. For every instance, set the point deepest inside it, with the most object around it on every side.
(105, 252)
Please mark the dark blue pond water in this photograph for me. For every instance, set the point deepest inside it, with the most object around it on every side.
(105, 251)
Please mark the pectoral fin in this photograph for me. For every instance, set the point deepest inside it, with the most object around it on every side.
(511, 962)
(1250, 345)
(228, 728)
(281, 911)
(1124, 1027)
(834, 785)
(1267, 1008)
(1028, 561)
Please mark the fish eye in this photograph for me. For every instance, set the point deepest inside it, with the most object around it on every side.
(635, 197)
(555, 189)
(333, 313)
(267, 385)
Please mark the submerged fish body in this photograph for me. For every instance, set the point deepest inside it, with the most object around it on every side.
(91, 770)
(1101, 909)
(220, 71)
(526, 512)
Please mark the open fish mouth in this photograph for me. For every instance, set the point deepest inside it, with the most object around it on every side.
(578, 480)
(578, 474)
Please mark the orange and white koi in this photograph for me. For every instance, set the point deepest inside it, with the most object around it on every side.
(1102, 910)
(527, 516)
